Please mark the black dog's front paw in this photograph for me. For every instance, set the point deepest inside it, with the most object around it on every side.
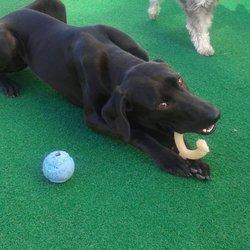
(200, 170)
(178, 167)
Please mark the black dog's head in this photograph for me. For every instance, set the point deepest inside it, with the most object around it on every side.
(156, 97)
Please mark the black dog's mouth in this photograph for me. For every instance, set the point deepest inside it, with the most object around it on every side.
(204, 131)
(208, 130)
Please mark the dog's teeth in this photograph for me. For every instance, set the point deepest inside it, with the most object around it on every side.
(209, 129)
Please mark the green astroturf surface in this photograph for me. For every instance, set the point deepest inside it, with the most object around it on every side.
(118, 198)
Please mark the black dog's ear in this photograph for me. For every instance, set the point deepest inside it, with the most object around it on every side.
(114, 113)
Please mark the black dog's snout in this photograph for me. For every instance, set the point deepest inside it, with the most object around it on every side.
(212, 114)
(198, 110)
(216, 115)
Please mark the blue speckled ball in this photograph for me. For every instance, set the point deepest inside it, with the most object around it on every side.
(58, 166)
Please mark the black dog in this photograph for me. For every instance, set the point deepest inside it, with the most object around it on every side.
(123, 93)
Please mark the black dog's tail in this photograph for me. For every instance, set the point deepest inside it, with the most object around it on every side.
(54, 8)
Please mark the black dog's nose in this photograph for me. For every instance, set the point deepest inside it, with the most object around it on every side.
(213, 114)
(217, 114)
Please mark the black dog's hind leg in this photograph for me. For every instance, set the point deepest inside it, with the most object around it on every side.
(125, 42)
(54, 8)
(93, 77)
(9, 87)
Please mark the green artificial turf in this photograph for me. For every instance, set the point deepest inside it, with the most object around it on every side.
(118, 198)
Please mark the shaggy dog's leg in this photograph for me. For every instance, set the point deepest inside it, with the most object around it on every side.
(154, 9)
(199, 19)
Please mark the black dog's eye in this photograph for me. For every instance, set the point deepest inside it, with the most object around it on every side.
(163, 106)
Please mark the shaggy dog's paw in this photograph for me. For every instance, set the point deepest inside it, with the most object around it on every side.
(153, 12)
(205, 50)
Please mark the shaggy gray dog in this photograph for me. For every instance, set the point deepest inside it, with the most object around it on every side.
(199, 18)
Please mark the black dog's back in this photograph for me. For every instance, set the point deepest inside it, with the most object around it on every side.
(54, 8)
(50, 55)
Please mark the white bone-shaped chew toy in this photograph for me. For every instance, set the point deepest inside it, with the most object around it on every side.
(201, 151)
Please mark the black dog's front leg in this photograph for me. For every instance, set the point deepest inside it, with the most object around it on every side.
(168, 160)
(9, 87)
(199, 169)
(165, 157)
